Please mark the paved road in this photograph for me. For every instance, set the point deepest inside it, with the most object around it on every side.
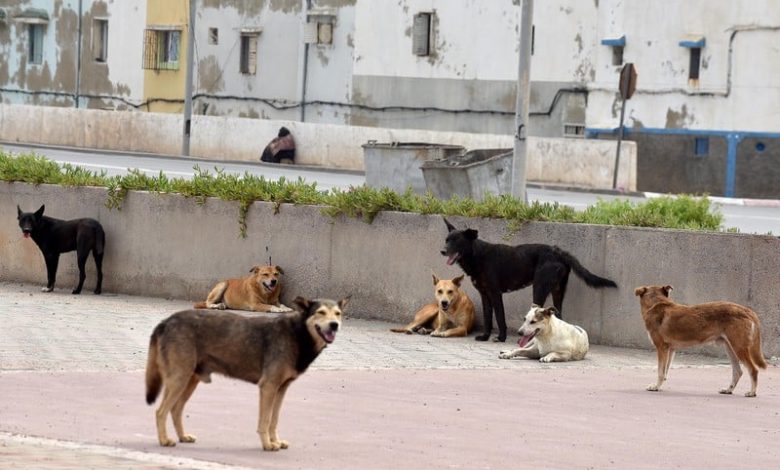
(748, 219)
(71, 396)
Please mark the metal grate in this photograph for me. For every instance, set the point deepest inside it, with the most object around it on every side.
(421, 34)
(161, 49)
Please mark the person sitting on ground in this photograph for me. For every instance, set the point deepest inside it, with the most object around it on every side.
(281, 149)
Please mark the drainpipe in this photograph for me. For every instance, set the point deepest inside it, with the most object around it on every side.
(78, 55)
(304, 62)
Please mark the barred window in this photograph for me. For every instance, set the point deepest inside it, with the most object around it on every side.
(100, 40)
(161, 49)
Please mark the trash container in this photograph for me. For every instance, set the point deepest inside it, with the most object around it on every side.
(396, 165)
(472, 174)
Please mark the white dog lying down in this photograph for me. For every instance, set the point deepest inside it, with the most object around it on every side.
(545, 337)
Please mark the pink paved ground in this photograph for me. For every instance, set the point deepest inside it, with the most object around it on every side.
(547, 418)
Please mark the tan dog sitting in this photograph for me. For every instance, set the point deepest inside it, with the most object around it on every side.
(258, 292)
(672, 326)
(451, 315)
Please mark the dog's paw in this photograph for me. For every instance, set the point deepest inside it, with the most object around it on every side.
(482, 338)
(283, 444)
(47, 289)
(167, 442)
(653, 388)
(221, 306)
(499, 339)
(97, 291)
(545, 359)
(725, 391)
(76, 291)
(437, 334)
(188, 438)
(281, 309)
(284, 308)
(423, 331)
(750, 394)
(272, 446)
(505, 355)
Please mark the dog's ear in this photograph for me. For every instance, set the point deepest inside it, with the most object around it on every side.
(18, 212)
(39, 212)
(667, 290)
(304, 304)
(550, 311)
(279, 268)
(435, 278)
(450, 227)
(471, 234)
(255, 269)
(640, 291)
(458, 280)
(343, 302)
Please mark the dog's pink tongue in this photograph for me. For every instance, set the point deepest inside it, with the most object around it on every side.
(26, 235)
(524, 340)
(451, 259)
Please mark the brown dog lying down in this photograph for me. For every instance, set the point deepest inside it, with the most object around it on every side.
(257, 292)
(451, 315)
(673, 326)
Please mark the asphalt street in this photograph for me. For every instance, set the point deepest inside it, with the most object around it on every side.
(762, 219)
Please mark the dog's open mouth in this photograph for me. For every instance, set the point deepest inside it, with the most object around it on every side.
(269, 287)
(26, 234)
(452, 258)
(524, 340)
(327, 335)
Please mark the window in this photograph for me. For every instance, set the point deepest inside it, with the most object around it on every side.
(318, 32)
(248, 63)
(702, 147)
(100, 40)
(35, 43)
(161, 49)
(693, 71)
(617, 55)
(573, 130)
(421, 34)
(213, 36)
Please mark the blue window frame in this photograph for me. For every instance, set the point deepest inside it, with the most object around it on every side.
(702, 147)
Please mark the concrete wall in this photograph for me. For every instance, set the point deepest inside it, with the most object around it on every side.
(171, 246)
(566, 161)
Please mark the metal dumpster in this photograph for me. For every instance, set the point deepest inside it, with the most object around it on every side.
(396, 165)
(472, 174)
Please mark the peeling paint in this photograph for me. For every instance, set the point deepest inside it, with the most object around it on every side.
(578, 40)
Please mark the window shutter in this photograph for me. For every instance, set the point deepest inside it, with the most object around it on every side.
(421, 29)
(252, 55)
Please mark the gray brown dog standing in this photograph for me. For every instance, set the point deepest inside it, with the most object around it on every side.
(672, 326)
(271, 352)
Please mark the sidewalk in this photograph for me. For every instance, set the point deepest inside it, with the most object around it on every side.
(71, 383)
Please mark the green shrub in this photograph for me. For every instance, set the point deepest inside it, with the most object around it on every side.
(683, 212)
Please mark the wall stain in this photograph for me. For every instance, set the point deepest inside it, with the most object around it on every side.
(578, 40)
(678, 119)
(210, 75)
(335, 3)
(324, 59)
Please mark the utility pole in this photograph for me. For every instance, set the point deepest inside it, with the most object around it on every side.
(185, 143)
(523, 96)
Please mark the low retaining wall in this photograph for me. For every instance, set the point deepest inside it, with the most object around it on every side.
(167, 245)
(578, 162)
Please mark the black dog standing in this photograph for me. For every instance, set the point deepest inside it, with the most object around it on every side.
(55, 236)
(495, 268)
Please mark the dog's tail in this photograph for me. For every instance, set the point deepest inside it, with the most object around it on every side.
(399, 330)
(153, 377)
(755, 352)
(590, 279)
(199, 305)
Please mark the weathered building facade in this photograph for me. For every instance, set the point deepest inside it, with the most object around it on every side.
(704, 114)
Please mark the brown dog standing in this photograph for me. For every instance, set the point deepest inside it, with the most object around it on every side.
(257, 292)
(451, 315)
(673, 326)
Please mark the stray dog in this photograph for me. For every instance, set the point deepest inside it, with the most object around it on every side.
(257, 292)
(672, 326)
(496, 268)
(451, 315)
(271, 352)
(545, 337)
(55, 236)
